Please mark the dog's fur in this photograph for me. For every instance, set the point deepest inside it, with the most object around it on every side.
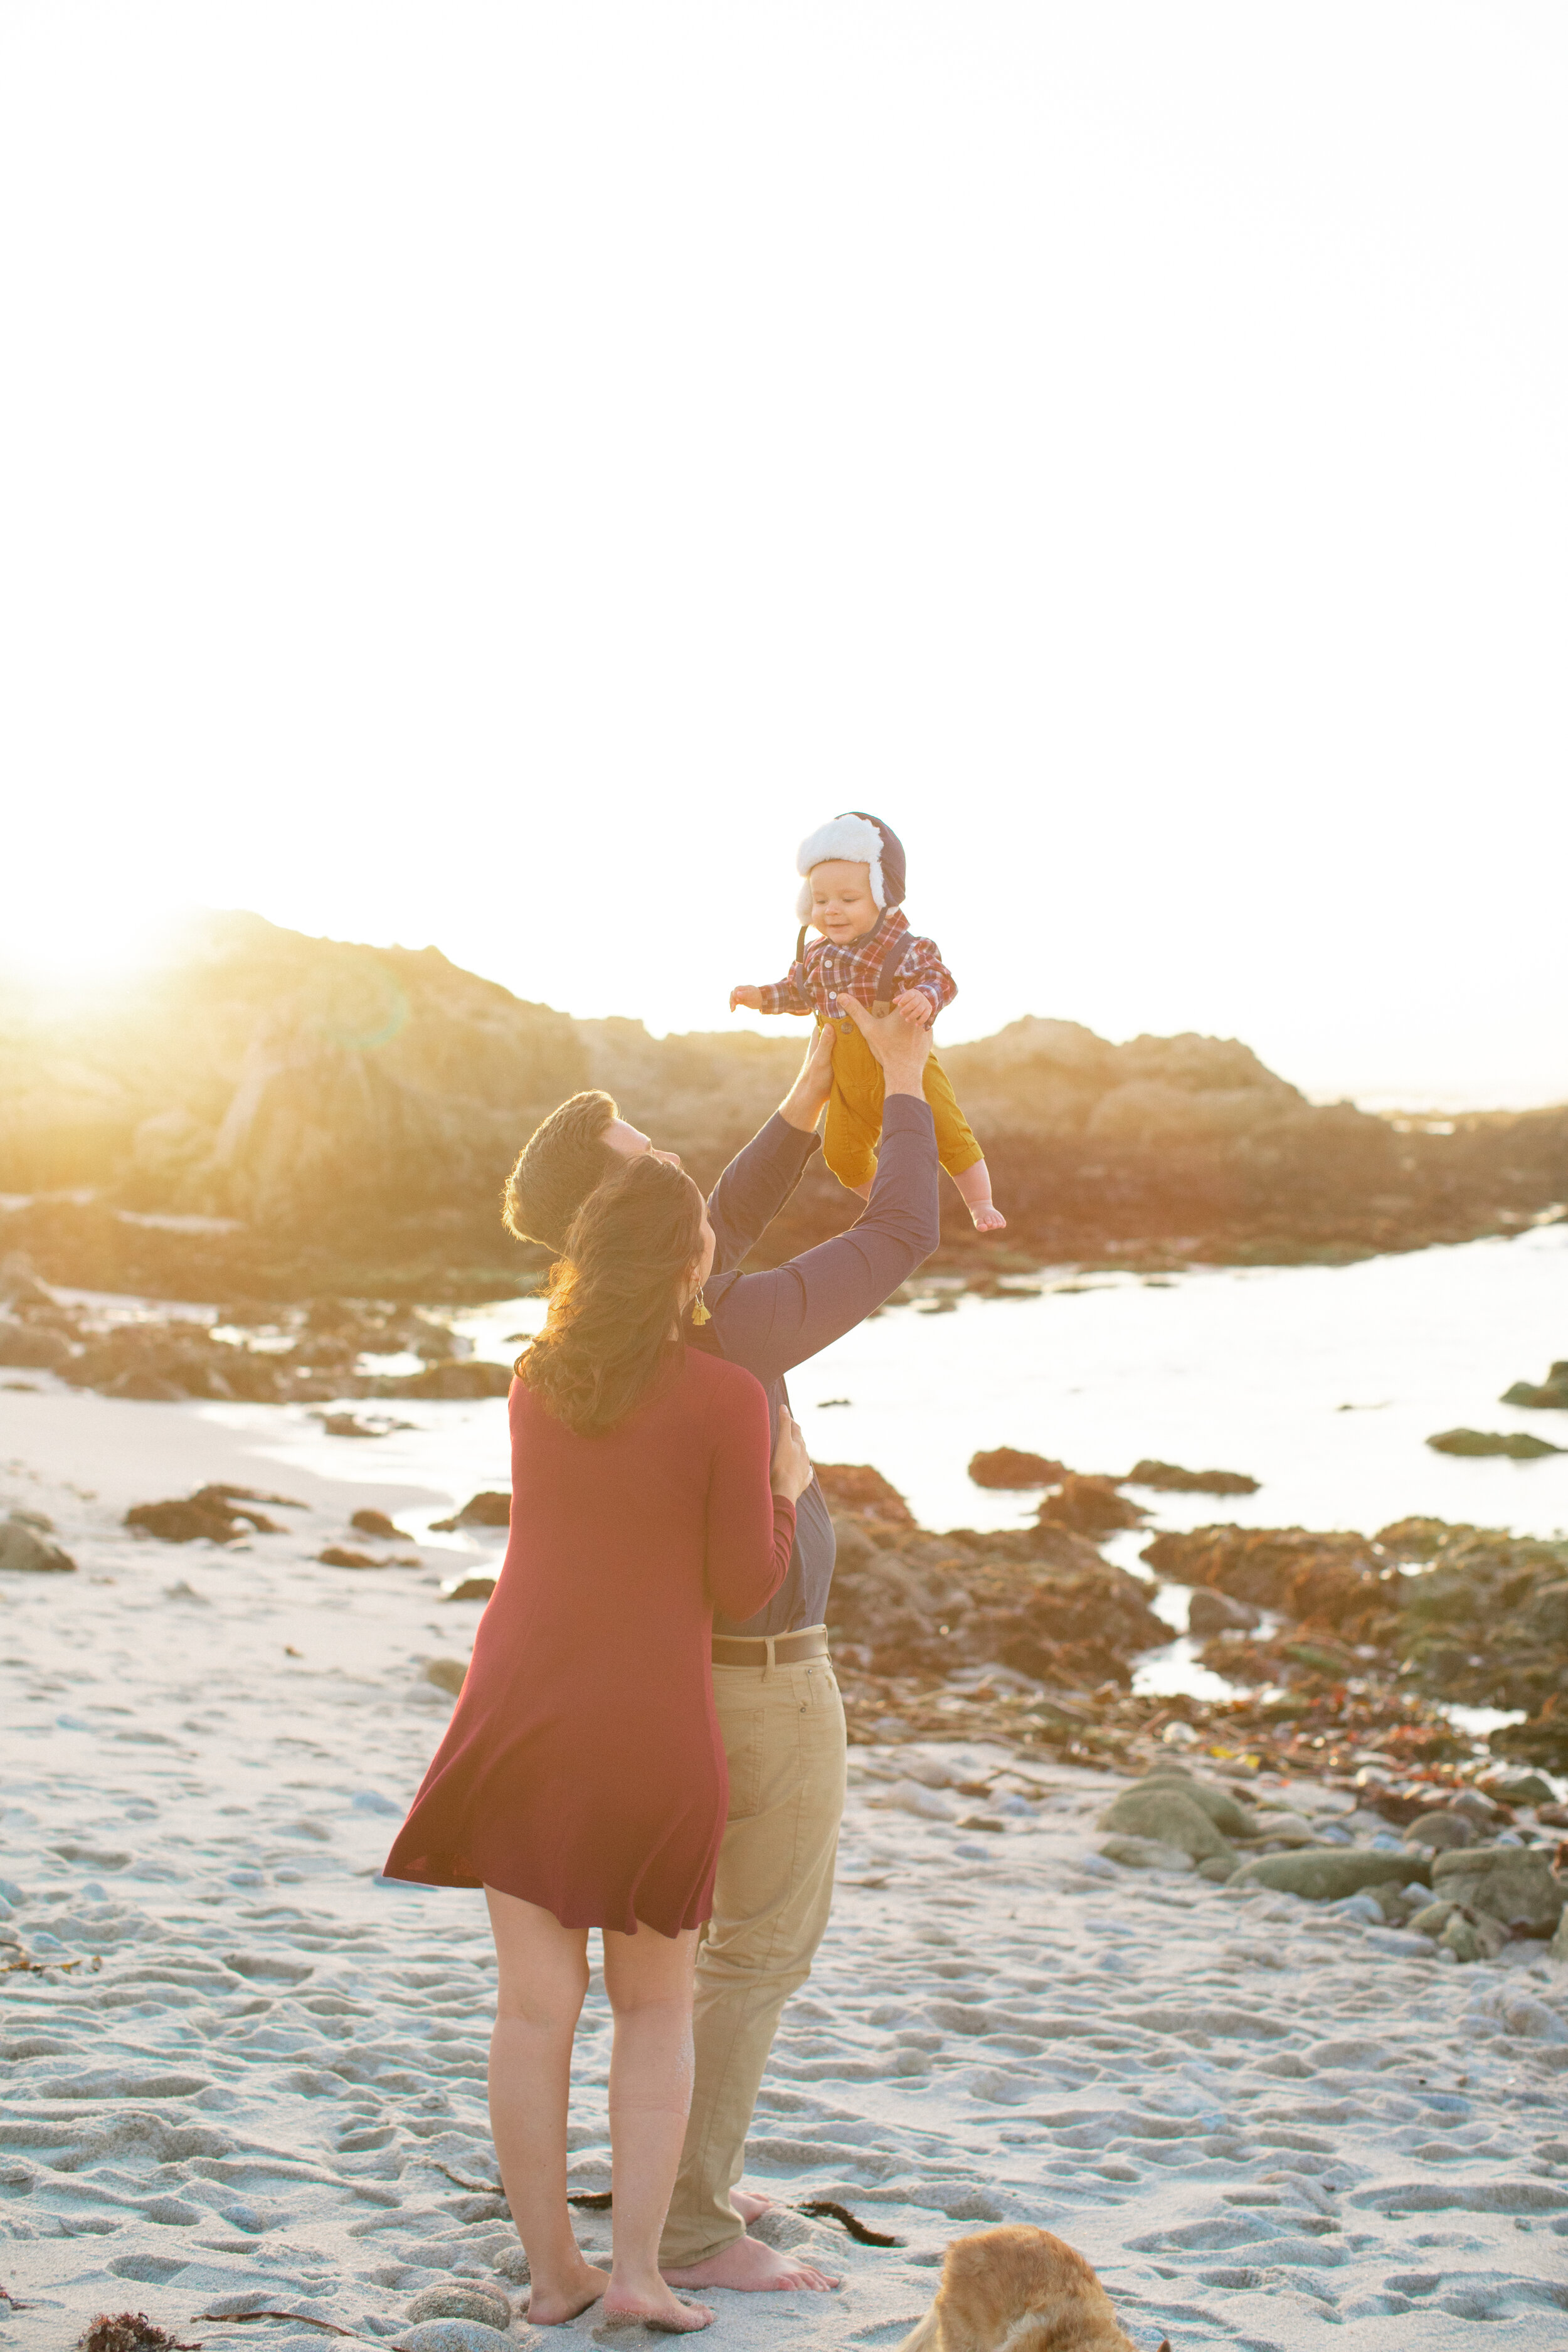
(1018, 2290)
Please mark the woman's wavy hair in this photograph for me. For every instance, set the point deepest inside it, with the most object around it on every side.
(616, 1295)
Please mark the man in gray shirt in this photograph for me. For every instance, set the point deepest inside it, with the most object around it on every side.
(779, 1708)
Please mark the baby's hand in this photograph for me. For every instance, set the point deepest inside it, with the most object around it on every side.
(916, 1007)
(752, 998)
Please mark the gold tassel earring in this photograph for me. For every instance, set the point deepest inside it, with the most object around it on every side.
(700, 1311)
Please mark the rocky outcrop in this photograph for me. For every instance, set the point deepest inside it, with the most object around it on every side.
(1045, 1605)
(327, 1350)
(1449, 1612)
(856, 1486)
(1341, 1580)
(218, 1514)
(285, 1116)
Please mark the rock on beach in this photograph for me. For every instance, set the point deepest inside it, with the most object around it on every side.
(1328, 1874)
(1168, 1477)
(1516, 1885)
(26, 1549)
(1169, 1813)
(1517, 1444)
(1004, 1466)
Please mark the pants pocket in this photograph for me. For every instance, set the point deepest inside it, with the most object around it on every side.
(740, 1729)
(822, 1727)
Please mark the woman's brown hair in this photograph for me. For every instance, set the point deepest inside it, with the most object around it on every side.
(616, 1296)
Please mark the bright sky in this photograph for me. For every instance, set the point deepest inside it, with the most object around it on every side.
(497, 475)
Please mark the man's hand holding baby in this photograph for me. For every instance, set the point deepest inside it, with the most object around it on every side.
(916, 1006)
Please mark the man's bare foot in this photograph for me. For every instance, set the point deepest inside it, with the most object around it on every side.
(652, 2308)
(748, 2203)
(987, 1217)
(563, 2299)
(755, 2269)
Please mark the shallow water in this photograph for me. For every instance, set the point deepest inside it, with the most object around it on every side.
(1324, 1382)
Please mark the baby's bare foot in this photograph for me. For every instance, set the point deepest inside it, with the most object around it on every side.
(553, 2303)
(987, 1217)
(653, 2307)
(748, 2203)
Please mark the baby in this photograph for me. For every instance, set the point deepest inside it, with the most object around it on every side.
(854, 870)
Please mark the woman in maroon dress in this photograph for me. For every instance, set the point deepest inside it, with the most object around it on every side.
(581, 1781)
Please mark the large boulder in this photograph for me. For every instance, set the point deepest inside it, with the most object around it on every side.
(1169, 1813)
(1513, 1884)
(1232, 1820)
(1327, 1873)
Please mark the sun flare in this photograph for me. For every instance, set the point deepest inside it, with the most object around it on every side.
(54, 951)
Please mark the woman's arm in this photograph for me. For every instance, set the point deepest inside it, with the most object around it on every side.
(751, 1528)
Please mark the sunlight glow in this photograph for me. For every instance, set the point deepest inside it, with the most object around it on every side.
(56, 949)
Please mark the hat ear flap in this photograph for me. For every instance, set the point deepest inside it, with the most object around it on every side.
(802, 903)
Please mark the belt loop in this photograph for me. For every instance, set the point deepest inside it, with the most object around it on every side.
(768, 1669)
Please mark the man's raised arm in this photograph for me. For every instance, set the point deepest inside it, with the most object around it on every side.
(761, 1178)
(772, 1321)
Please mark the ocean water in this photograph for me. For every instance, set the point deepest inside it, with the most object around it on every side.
(1322, 1382)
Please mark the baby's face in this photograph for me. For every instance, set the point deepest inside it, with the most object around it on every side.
(842, 907)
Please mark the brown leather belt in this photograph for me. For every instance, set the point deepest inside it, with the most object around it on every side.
(788, 1649)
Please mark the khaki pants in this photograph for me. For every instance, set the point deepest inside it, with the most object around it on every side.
(783, 1734)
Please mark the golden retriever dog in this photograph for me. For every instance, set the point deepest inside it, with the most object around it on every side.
(1018, 2290)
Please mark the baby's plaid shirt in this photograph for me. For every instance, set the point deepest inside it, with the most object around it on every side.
(826, 973)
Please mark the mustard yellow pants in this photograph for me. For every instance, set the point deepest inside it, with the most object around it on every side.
(854, 1112)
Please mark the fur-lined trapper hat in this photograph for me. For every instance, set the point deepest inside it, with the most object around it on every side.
(864, 841)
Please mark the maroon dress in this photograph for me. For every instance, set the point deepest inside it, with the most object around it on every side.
(582, 1767)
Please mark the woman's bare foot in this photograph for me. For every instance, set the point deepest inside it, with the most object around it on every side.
(755, 2269)
(748, 2203)
(552, 2305)
(987, 1217)
(653, 2307)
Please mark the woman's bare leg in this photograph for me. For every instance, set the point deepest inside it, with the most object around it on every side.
(648, 1979)
(544, 1975)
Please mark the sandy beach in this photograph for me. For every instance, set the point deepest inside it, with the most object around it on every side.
(243, 2075)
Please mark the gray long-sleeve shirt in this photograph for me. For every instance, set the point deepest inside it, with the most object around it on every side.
(771, 1321)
